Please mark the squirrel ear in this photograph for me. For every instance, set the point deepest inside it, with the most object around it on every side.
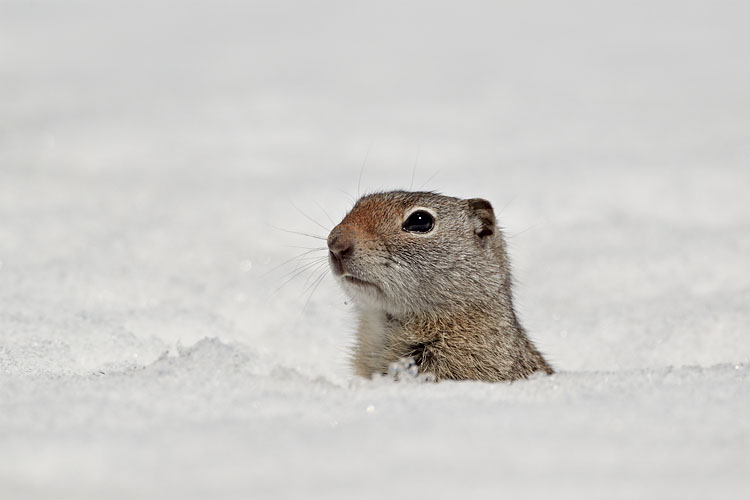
(484, 217)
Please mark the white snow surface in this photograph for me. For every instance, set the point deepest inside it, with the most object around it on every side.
(151, 347)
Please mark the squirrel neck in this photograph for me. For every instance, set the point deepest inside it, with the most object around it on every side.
(471, 341)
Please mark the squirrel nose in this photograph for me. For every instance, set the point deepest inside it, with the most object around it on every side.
(341, 246)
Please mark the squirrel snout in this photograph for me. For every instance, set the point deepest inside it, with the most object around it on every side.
(341, 247)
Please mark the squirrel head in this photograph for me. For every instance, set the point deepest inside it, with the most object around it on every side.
(419, 253)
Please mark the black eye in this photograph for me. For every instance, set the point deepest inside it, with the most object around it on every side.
(419, 222)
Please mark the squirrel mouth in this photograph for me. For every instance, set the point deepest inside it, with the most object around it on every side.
(359, 282)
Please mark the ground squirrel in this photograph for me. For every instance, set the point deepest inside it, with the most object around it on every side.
(430, 279)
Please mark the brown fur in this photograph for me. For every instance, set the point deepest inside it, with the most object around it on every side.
(442, 298)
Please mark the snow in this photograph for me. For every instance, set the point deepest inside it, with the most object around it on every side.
(151, 346)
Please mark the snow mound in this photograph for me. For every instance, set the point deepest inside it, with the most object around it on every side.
(209, 357)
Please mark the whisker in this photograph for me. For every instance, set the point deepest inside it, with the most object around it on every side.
(326, 213)
(300, 233)
(323, 273)
(296, 257)
(315, 270)
(304, 248)
(414, 170)
(296, 272)
(309, 218)
(527, 229)
(353, 200)
(317, 284)
(285, 283)
(315, 257)
(362, 170)
(506, 206)
(428, 180)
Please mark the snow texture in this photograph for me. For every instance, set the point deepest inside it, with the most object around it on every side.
(151, 347)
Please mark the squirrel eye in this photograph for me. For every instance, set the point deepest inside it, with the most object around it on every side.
(419, 222)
